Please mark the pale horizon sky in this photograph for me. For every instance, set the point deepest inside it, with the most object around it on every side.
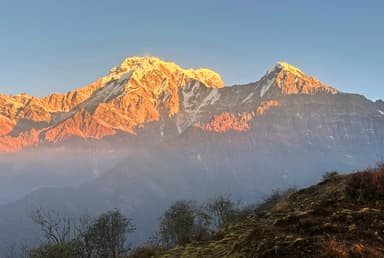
(53, 46)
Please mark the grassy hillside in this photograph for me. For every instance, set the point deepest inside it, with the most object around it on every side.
(343, 216)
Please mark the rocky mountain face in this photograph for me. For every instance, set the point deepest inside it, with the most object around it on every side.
(149, 102)
(259, 136)
(287, 121)
(146, 92)
(136, 92)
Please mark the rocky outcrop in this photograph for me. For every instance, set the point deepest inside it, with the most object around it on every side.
(284, 79)
(292, 80)
(227, 121)
(82, 125)
(266, 105)
(237, 122)
(6, 125)
(17, 143)
(65, 102)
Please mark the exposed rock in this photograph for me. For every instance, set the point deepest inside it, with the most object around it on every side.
(148, 92)
(82, 125)
(237, 122)
(131, 95)
(6, 125)
(24, 139)
(227, 121)
(264, 106)
(291, 80)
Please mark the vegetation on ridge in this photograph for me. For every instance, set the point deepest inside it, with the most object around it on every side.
(104, 236)
(342, 216)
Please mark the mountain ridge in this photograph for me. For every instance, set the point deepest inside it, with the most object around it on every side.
(146, 90)
(120, 86)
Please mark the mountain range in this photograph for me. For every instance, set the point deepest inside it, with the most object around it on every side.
(148, 92)
(150, 133)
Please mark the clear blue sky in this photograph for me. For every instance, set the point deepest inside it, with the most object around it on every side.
(53, 46)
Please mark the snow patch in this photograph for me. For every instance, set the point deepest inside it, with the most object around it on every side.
(299, 115)
(190, 108)
(162, 130)
(266, 87)
(113, 89)
(381, 112)
(110, 90)
(274, 68)
(188, 95)
(211, 98)
(248, 97)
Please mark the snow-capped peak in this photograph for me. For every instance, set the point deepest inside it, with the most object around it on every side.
(286, 67)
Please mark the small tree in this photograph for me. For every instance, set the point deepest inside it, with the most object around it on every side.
(58, 230)
(178, 223)
(107, 234)
(103, 237)
(222, 210)
(56, 227)
(203, 221)
(84, 241)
